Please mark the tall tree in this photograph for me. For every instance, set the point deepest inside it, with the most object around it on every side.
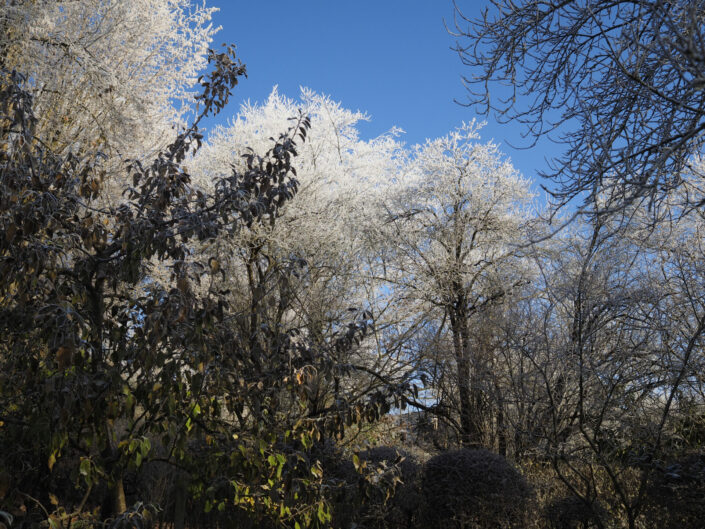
(453, 224)
(311, 269)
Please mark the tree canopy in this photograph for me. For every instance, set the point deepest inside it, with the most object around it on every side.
(620, 84)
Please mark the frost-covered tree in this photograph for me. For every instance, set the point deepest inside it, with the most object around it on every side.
(620, 83)
(108, 75)
(453, 225)
(311, 269)
(602, 361)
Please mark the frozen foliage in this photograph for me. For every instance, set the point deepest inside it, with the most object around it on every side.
(320, 237)
(258, 313)
(339, 173)
(113, 75)
(409, 233)
(453, 230)
(310, 271)
(456, 217)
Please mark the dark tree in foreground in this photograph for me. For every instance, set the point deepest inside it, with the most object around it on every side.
(119, 341)
(621, 83)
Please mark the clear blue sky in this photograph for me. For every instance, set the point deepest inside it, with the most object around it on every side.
(389, 58)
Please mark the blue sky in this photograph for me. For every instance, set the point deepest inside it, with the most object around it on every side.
(389, 58)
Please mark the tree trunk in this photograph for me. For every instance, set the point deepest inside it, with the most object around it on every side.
(469, 434)
(179, 503)
(119, 501)
(501, 434)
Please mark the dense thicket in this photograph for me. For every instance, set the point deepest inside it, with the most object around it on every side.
(107, 366)
(287, 325)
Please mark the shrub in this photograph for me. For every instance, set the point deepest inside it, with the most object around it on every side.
(395, 501)
(572, 512)
(472, 489)
(384, 493)
(676, 495)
